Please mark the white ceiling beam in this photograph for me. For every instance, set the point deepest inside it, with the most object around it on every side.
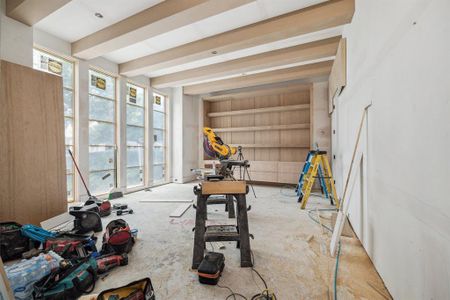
(156, 20)
(297, 54)
(318, 17)
(311, 71)
(30, 12)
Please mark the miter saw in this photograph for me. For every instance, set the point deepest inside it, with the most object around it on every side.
(215, 148)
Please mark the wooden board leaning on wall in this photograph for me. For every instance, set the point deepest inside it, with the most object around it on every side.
(32, 146)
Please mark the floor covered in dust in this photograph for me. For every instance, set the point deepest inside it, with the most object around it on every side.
(290, 250)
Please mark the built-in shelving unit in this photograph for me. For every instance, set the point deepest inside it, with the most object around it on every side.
(272, 126)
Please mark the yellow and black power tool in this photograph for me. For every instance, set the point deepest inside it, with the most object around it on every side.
(215, 147)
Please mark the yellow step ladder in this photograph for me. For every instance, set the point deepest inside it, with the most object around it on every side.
(319, 160)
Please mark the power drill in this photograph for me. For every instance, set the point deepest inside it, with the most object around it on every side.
(107, 262)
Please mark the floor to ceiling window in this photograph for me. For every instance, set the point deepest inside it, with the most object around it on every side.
(57, 65)
(102, 132)
(159, 139)
(135, 135)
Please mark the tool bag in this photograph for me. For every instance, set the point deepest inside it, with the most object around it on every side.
(211, 267)
(12, 242)
(87, 219)
(104, 207)
(70, 283)
(137, 290)
(117, 238)
(71, 245)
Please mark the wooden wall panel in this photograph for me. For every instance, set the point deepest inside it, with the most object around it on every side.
(219, 122)
(295, 98)
(267, 101)
(293, 154)
(220, 106)
(32, 156)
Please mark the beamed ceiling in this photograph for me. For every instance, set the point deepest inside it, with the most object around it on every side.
(205, 46)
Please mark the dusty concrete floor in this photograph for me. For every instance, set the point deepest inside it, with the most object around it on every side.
(293, 267)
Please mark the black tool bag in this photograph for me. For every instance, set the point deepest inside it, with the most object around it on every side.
(12, 242)
(211, 268)
(66, 284)
(137, 290)
(87, 218)
(117, 238)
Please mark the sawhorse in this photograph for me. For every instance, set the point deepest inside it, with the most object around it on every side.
(220, 233)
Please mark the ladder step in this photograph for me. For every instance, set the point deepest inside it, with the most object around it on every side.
(221, 233)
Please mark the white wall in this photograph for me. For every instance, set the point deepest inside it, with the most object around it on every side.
(191, 136)
(16, 40)
(398, 60)
(185, 153)
(321, 121)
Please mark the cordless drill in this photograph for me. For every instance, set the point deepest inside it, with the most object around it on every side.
(107, 262)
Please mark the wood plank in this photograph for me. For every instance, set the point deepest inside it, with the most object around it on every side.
(29, 12)
(159, 19)
(32, 146)
(314, 18)
(260, 110)
(223, 187)
(310, 72)
(57, 221)
(5, 288)
(177, 213)
(281, 57)
(260, 128)
(261, 91)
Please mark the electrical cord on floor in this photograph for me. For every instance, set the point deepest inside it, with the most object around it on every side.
(339, 248)
(233, 294)
(285, 187)
(266, 294)
(317, 221)
(289, 187)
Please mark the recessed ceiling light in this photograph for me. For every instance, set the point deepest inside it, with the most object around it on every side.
(214, 52)
(98, 15)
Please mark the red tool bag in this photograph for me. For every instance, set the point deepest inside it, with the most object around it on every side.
(117, 238)
(71, 245)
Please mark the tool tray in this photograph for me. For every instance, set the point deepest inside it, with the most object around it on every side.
(211, 267)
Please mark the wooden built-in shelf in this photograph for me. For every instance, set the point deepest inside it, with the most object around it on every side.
(272, 125)
(263, 128)
(259, 110)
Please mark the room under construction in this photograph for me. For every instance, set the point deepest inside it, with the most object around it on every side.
(235, 150)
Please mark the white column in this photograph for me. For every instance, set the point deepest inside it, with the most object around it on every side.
(121, 133)
(149, 135)
(177, 134)
(82, 128)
